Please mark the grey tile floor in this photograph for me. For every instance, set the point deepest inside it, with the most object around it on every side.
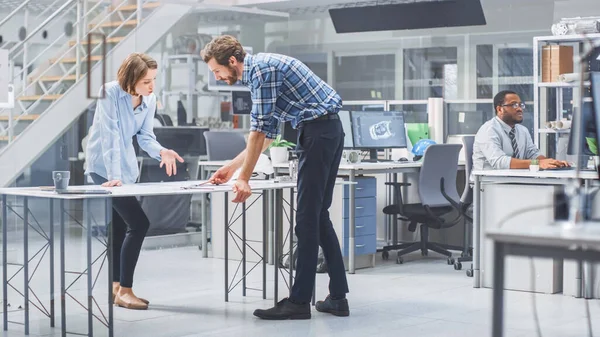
(423, 297)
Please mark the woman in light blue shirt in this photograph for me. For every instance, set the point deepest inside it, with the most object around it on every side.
(126, 111)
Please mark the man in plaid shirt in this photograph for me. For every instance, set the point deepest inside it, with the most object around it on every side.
(283, 89)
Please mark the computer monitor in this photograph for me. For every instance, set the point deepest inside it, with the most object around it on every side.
(186, 141)
(291, 135)
(589, 130)
(241, 102)
(374, 130)
(464, 122)
(589, 124)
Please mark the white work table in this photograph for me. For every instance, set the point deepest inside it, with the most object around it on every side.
(94, 311)
(558, 241)
(522, 190)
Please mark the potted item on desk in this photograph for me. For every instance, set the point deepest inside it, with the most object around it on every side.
(534, 166)
(279, 150)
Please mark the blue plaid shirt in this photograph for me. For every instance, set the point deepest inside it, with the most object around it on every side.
(284, 89)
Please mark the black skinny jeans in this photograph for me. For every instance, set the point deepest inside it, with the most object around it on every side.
(129, 227)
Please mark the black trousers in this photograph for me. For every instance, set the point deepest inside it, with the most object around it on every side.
(129, 227)
(320, 145)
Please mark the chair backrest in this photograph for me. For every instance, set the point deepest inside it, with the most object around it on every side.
(224, 145)
(467, 196)
(440, 161)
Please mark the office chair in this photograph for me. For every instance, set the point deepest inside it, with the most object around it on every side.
(224, 145)
(439, 197)
(465, 203)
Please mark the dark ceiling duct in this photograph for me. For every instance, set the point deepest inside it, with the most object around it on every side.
(413, 15)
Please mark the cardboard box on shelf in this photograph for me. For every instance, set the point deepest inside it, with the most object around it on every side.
(556, 60)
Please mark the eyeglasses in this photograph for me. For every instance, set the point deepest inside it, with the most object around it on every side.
(516, 105)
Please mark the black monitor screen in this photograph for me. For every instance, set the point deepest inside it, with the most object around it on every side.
(589, 130)
(186, 141)
(378, 129)
(241, 102)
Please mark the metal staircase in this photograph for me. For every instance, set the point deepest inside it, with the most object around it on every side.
(69, 71)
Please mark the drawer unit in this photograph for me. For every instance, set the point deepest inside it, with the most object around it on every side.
(362, 207)
(362, 226)
(366, 244)
(365, 223)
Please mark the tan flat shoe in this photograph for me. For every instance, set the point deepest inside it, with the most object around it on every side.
(141, 299)
(130, 302)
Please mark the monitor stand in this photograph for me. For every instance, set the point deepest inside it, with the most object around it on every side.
(372, 157)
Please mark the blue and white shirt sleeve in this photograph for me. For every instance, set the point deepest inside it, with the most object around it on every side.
(266, 82)
(110, 135)
(145, 137)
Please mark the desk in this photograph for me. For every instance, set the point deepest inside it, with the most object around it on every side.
(580, 243)
(352, 170)
(483, 177)
(148, 189)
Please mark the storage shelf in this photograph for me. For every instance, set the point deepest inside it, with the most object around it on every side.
(566, 38)
(546, 130)
(562, 84)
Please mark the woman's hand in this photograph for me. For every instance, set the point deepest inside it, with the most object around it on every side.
(168, 158)
(112, 183)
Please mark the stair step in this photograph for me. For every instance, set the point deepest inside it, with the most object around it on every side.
(57, 78)
(23, 118)
(74, 60)
(113, 40)
(145, 6)
(37, 97)
(115, 24)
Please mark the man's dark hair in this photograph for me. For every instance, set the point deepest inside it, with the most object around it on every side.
(499, 98)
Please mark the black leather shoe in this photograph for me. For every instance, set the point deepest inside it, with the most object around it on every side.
(285, 309)
(334, 307)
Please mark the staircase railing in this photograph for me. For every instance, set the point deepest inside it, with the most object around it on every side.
(80, 53)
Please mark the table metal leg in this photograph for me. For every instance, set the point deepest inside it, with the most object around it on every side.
(4, 263)
(579, 280)
(244, 249)
(498, 291)
(265, 211)
(272, 217)
(291, 241)
(26, 262)
(352, 215)
(51, 248)
(90, 278)
(63, 308)
(226, 208)
(204, 217)
(109, 258)
(277, 243)
(476, 232)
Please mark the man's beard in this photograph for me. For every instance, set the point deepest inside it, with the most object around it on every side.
(510, 120)
(233, 78)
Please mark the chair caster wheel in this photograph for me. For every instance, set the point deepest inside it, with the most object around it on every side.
(423, 253)
(385, 255)
(470, 272)
(399, 260)
(199, 247)
(450, 261)
(457, 266)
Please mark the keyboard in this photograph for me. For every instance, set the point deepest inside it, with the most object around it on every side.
(564, 168)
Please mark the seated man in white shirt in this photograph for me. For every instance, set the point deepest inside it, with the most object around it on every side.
(503, 143)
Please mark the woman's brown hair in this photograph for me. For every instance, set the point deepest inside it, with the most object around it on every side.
(133, 69)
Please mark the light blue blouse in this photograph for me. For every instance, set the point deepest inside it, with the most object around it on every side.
(110, 151)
